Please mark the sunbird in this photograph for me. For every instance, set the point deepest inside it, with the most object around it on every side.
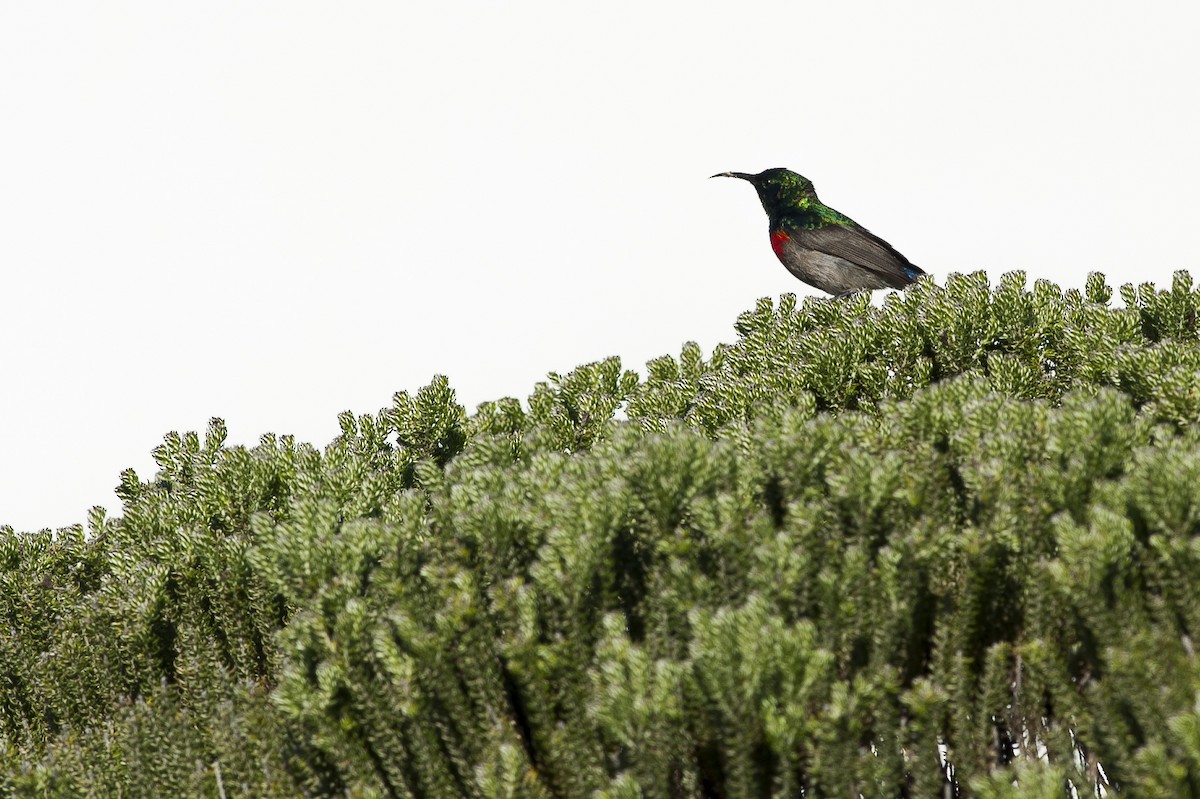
(821, 246)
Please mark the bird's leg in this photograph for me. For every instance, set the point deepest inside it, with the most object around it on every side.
(846, 294)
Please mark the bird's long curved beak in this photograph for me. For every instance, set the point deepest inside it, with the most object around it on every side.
(742, 175)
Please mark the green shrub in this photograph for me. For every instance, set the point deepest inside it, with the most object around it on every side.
(945, 545)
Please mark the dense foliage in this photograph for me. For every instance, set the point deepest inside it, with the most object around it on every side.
(950, 546)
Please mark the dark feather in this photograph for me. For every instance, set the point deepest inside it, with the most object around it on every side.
(861, 247)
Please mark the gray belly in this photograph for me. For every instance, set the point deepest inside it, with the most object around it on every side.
(829, 272)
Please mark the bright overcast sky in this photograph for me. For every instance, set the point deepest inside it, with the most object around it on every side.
(274, 212)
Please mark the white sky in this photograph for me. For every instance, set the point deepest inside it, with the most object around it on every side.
(273, 212)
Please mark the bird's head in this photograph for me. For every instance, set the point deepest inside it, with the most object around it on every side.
(779, 189)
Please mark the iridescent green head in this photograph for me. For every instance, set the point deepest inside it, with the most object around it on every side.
(781, 191)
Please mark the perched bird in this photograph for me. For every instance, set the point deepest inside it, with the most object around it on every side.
(821, 246)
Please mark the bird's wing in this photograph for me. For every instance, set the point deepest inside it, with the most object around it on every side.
(862, 247)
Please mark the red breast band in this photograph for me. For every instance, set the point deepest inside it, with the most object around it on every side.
(778, 239)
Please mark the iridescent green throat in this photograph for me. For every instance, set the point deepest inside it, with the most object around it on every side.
(808, 214)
